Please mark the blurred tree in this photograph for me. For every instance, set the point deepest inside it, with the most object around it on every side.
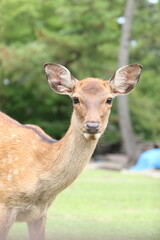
(145, 50)
(128, 138)
(84, 36)
(62, 36)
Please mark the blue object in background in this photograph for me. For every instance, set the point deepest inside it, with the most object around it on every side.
(148, 160)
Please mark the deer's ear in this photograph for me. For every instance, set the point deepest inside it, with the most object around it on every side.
(59, 78)
(125, 79)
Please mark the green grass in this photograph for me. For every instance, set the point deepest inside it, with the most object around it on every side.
(104, 205)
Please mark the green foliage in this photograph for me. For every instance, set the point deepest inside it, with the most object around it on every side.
(24, 92)
(145, 102)
(83, 36)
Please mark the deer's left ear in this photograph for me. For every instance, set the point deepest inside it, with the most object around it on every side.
(125, 79)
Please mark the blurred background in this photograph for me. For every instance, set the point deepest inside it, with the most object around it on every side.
(91, 38)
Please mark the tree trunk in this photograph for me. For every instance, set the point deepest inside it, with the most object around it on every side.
(128, 139)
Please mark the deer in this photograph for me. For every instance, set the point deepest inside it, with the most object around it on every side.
(35, 168)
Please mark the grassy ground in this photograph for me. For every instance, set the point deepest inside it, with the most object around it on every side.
(104, 205)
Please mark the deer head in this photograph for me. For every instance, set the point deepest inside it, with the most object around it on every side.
(92, 97)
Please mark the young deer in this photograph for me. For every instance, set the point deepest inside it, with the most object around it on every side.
(34, 168)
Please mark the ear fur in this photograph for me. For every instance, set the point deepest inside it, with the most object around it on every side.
(59, 78)
(125, 79)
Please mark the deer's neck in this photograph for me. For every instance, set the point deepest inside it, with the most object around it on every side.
(73, 152)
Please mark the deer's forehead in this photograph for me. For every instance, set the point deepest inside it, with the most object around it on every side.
(92, 87)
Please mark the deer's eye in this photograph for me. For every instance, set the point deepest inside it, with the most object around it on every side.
(109, 100)
(75, 100)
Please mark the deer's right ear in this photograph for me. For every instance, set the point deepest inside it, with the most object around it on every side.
(59, 78)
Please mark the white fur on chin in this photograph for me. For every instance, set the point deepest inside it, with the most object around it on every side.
(95, 136)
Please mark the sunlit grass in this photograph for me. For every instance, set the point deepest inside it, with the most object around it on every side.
(104, 205)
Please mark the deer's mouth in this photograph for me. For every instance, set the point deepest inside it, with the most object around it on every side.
(92, 130)
(91, 136)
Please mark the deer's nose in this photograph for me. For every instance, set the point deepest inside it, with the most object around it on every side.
(92, 127)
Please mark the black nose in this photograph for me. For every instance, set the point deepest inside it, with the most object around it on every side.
(92, 127)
